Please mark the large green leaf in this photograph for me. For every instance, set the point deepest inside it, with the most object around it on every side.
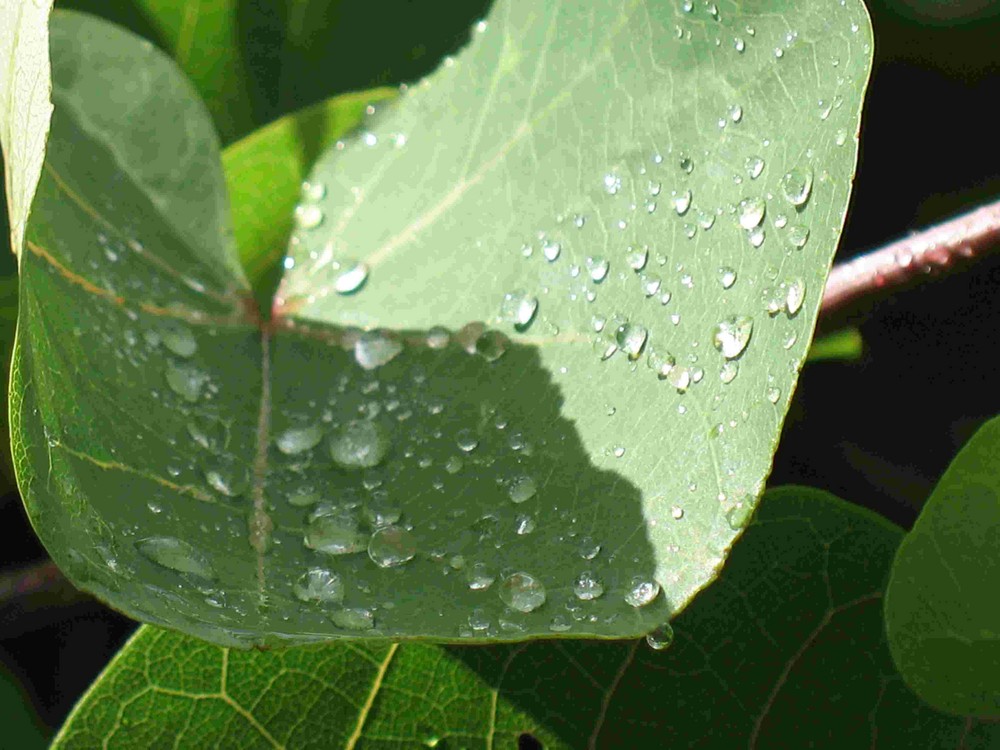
(25, 108)
(941, 609)
(787, 650)
(167, 450)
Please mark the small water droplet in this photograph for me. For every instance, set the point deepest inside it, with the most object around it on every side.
(796, 185)
(524, 525)
(612, 184)
(522, 592)
(756, 236)
(480, 577)
(795, 293)
(313, 191)
(551, 251)
(359, 445)
(641, 591)
(736, 113)
(180, 341)
(353, 618)
(751, 212)
(351, 277)
(682, 202)
(727, 277)
(186, 381)
(729, 371)
(598, 268)
(686, 163)
(308, 216)
(587, 548)
(677, 513)
(732, 335)
(739, 515)
(650, 284)
(773, 394)
(587, 586)
(319, 585)
(631, 338)
(334, 531)
(519, 308)
(376, 348)
(754, 166)
(391, 546)
(637, 259)
(798, 235)
(491, 345)
(299, 439)
(661, 638)
(175, 554)
(438, 338)
(679, 378)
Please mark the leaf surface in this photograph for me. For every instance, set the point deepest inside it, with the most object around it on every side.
(789, 643)
(941, 608)
(393, 456)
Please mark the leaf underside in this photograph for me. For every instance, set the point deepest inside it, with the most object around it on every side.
(756, 660)
(447, 473)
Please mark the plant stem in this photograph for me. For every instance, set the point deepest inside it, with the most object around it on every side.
(939, 248)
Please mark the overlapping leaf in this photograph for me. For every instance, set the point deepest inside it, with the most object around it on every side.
(758, 661)
(532, 348)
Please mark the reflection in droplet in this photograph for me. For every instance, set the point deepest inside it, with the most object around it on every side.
(661, 638)
(522, 592)
(297, 440)
(480, 577)
(376, 348)
(359, 445)
(518, 308)
(732, 335)
(522, 489)
(796, 185)
(641, 591)
(354, 618)
(351, 276)
(175, 554)
(334, 531)
(587, 586)
(319, 585)
(391, 546)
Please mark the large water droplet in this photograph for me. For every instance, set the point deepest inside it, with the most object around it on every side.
(319, 585)
(518, 307)
(353, 618)
(732, 335)
(175, 554)
(522, 489)
(491, 345)
(661, 638)
(523, 592)
(641, 591)
(631, 338)
(751, 212)
(186, 381)
(334, 531)
(359, 445)
(299, 439)
(587, 586)
(796, 185)
(350, 277)
(391, 546)
(376, 348)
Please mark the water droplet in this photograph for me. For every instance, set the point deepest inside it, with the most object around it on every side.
(175, 554)
(631, 338)
(303, 497)
(650, 284)
(618, 451)
(686, 163)
(727, 277)
(524, 525)
(518, 307)
(661, 638)
(438, 338)
(351, 277)
(739, 44)
(391, 546)
(226, 481)
(798, 235)
(186, 381)
(380, 511)
(773, 394)
(587, 586)
(491, 345)
(334, 531)
(587, 548)
(612, 184)
(359, 445)
(522, 592)
(353, 618)
(729, 371)
(376, 348)
(739, 515)
(313, 191)
(679, 378)
(299, 439)
(732, 335)
(661, 364)
(478, 620)
(598, 268)
(180, 341)
(795, 293)
(641, 591)
(751, 212)
(308, 216)
(706, 220)
(319, 585)
(479, 577)
(522, 489)
(756, 236)
(637, 259)
(796, 185)
(551, 251)
(682, 202)
(736, 113)
(754, 166)
(677, 513)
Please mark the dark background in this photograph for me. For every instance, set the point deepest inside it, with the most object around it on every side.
(878, 431)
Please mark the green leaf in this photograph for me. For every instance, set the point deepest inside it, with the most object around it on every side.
(284, 151)
(25, 108)
(941, 609)
(759, 658)
(200, 472)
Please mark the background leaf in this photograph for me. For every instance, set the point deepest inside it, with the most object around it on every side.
(752, 664)
(941, 609)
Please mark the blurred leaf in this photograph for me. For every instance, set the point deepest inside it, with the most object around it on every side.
(198, 472)
(942, 610)
(844, 345)
(22, 729)
(786, 650)
(25, 108)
